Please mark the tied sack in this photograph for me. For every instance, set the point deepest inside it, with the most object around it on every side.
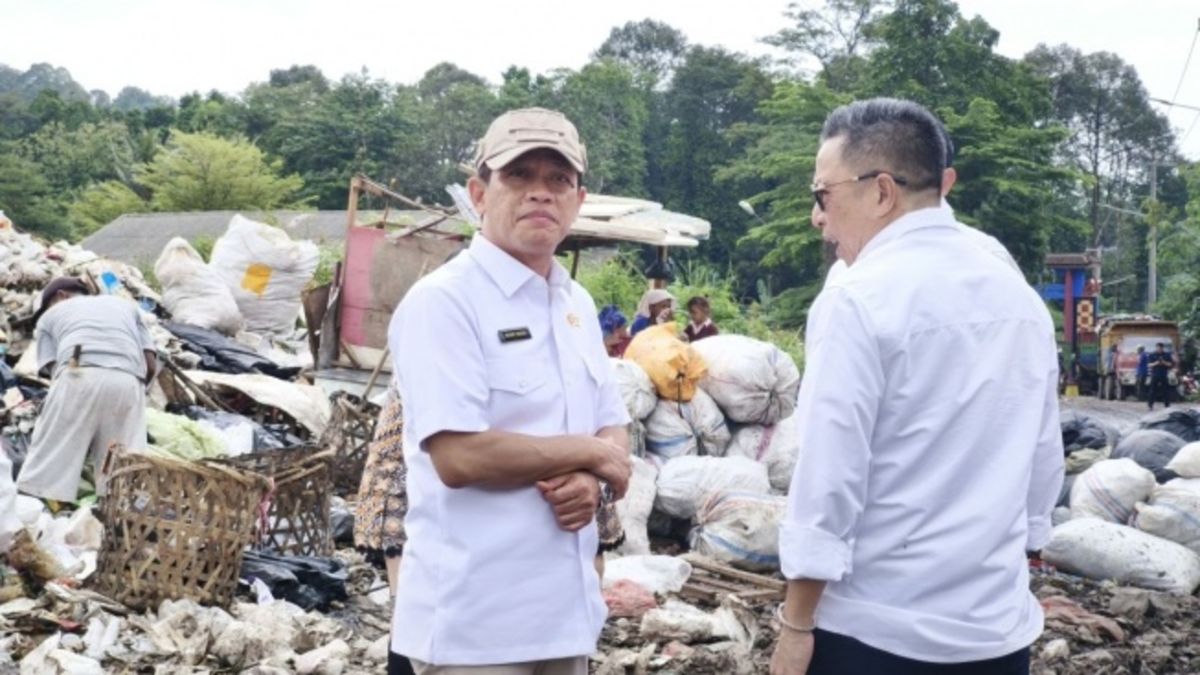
(1173, 513)
(193, 292)
(678, 429)
(1101, 550)
(634, 510)
(740, 529)
(266, 271)
(637, 391)
(777, 446)
(685, 483)
(1109, 490)
(753, 381)
(673, 365)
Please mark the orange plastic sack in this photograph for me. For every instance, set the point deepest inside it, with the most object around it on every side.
(673, 366)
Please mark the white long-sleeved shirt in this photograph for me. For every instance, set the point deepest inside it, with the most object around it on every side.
(931, 452)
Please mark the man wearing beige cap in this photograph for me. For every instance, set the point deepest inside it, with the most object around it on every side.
(512, 419)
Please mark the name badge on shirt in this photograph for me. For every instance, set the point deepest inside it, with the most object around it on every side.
(514, 335)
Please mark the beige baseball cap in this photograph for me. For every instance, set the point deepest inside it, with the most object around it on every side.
(516, 132)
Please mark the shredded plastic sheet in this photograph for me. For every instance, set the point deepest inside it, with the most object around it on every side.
(181, 437)
(305, 403)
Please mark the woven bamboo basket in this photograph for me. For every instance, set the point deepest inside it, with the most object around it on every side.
(298, 516)
(351, 428)
(175, 529)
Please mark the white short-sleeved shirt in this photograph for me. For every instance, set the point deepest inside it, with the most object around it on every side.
(932, 454)
(484, 343)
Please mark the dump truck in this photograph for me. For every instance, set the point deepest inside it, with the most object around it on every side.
(1128, 333)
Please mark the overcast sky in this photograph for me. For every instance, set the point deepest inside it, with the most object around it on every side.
(226, 44)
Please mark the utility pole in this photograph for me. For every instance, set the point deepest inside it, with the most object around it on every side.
(1152, 285)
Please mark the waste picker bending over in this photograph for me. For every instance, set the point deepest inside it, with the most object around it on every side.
(100, 357)
(512, 418)
(928, 416)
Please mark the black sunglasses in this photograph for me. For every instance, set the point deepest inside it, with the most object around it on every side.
(819, 191)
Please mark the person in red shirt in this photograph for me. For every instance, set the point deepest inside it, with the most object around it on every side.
(701, 325)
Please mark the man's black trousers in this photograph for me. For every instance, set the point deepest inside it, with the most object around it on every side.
(835, 654)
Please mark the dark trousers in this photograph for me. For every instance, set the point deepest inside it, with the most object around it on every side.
(399, 665)
(835, 654)
(1160, 390)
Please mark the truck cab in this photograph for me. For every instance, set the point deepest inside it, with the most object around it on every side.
(1129, 333)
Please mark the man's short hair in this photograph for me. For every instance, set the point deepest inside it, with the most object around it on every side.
(887, 134)
(699, 301)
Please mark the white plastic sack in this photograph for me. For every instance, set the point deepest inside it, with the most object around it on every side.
(753, 381)
(686, 482)
(192, 292)
(658, 574)
(1101, 550)
(634, 510)
(1186, 462)
(637, 391)
(10, 522)
(1173, 513)
(740, 529)
(266, 271)
(306, 403)
(1109, 489)
(777, 446)
(677, 429)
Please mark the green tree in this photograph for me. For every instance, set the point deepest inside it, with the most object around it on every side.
(836, 36)
(712, 92)
(1114, 132)
(102, 203)
(27, 198)
(652, 48)
(201, 172)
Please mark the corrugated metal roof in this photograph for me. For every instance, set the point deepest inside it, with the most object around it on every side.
(139, 238)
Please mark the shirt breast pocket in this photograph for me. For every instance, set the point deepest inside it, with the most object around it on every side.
(520, 393)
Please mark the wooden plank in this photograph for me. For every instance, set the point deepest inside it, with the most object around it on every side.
(700, 562)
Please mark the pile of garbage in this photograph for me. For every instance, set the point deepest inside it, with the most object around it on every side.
(230, 385)
(1130, 507)
(714, 444)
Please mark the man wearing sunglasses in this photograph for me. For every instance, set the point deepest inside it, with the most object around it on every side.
(949, 177)
(929, 421)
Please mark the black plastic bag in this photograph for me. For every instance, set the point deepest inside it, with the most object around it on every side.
(1080, 432)
(1151, 449)
(224, 355)
(1182, 422)
(307, 582)
(341, 522)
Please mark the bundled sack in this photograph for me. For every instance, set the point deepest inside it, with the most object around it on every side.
(1181, 422)
(740, 529)
(753, 381)
(1102, 550)
(1082, 432)
(777, 446)
(685, 483)
(634, 510)
(193, 293)
(637, 391)
(1110, 489)
(1186, 462)
(673, 365)
(1173, 513)
(266, 271)
(1151, 449)
(677, 429)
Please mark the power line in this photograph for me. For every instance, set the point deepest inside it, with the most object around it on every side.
(1186, 63)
